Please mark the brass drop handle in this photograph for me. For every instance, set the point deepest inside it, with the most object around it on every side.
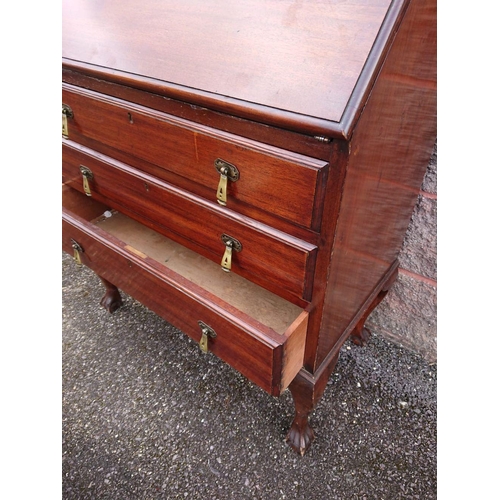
(231, 244)
(227, 172)
(67, 112)
(87, 176)
(206, 333)
(77, 250)
(222, 187)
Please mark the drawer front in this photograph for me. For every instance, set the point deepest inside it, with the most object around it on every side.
(267, 257)
(269, 359)
(281, 183)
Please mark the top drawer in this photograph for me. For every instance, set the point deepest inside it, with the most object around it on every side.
(275, 181)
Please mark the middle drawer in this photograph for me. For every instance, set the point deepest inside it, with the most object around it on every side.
(272, 259)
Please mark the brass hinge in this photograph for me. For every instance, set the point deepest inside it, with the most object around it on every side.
(322, 138)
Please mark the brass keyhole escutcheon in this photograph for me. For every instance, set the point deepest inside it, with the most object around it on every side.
(77, 250)
(232, 244)
(67, 112)
(206, 333)
(87, 176)
(227, 172)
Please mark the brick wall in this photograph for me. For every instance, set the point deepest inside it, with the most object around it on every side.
(408, 314)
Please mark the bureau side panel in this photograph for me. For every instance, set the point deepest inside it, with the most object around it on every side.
(389, 152)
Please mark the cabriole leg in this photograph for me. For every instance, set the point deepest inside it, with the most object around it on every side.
(111, 299)
(300, 436)
(361, 335)
(307, 390)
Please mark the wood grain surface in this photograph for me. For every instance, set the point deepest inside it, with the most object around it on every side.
(248, 345)
(162, 88)
(301, 56)
(269, 257)
(189, 150)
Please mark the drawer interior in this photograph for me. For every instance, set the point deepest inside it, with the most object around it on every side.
(272, 311)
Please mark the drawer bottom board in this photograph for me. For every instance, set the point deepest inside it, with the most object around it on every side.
(271, 310)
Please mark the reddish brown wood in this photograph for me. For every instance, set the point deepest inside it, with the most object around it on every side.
(307, 390)
(390, 150)
(301, 435)
(155, 106)
(196, 223)
(237, 52)
(111, 299)
(190, 150)
(250, 347)
(284, 139)
(336, 178)
(361, 335)
(206, 193)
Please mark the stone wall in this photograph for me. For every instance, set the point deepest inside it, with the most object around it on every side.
(408, 314)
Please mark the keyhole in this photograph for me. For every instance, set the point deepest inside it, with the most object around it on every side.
(130, 119)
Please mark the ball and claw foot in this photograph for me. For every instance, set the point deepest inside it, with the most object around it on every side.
(300, 436)
(112, 299)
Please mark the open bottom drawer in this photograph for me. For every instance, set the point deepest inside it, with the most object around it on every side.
(258, 333)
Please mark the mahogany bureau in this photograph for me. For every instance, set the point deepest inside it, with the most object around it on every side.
(248, 169)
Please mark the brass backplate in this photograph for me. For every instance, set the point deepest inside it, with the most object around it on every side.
(229, 241)
(228, 169)
(206, 333)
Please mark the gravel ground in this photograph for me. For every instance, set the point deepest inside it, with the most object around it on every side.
(146, 416)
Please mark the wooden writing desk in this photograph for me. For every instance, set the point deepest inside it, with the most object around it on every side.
(248, 169)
